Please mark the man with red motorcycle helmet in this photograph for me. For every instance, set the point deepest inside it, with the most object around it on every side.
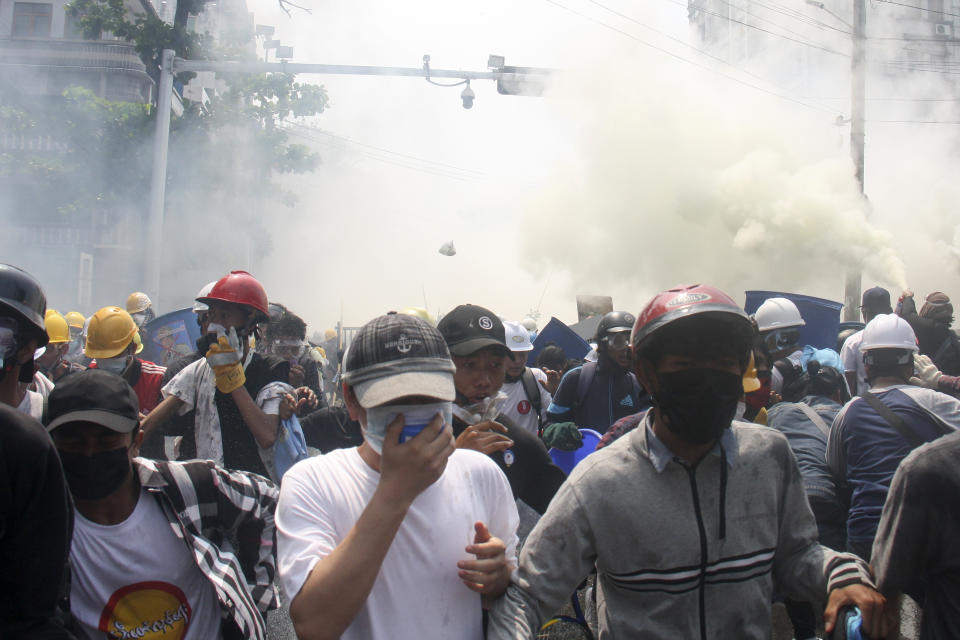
(692, 519)
(232, 388)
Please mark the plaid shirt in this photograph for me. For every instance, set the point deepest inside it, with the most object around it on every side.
(211, 509)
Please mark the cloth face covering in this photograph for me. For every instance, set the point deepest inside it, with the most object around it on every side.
(97, 476)
(415, 418)
(115, 365)
(698, 404)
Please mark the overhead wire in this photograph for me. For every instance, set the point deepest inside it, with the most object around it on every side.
(913, 6)
(688, 61)
(402, 160)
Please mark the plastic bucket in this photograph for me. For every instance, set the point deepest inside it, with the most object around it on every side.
(170, 336)
(822, 316)
(567, 460)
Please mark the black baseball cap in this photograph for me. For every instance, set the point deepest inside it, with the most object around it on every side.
(96, 396)
(469, 328)
(876, 299)
(398, 355)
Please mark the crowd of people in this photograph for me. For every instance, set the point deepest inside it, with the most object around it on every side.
(378, 491)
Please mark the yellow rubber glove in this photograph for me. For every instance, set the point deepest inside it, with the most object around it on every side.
(224, 358)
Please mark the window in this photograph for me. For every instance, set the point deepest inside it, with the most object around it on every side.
(71, 28)
(32, 19)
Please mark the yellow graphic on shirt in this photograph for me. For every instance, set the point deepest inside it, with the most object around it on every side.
(146, 611)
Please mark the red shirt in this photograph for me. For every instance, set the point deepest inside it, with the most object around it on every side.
(145, 377)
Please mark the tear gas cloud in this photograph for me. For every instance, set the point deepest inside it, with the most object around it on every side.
(635, 173)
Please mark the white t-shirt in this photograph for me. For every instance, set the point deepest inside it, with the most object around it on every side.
(137, 579)
(417, 593)
(32, 405)
(518, 407)
(852, 359)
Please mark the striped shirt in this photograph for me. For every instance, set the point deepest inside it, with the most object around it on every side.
(227, 519)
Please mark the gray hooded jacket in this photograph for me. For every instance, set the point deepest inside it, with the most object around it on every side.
(680, 552)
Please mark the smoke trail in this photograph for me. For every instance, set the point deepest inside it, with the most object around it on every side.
(681, 178)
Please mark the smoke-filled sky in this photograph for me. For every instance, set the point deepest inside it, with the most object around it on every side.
(636, 172)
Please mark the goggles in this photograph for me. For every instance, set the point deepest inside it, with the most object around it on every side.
(618, 340)
(783, 338)
(289, 348)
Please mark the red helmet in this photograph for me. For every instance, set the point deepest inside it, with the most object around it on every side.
(239, 287)
(682, 302)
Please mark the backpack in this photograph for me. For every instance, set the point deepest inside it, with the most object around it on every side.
(587, 373)
(532, 388)
(795, 380)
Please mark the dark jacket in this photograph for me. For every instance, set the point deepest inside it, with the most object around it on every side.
(934, 339)
(36, 523)
(613, 393)
(533, 476)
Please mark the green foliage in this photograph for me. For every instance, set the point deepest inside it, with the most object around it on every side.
(226, 156)
(66, 177)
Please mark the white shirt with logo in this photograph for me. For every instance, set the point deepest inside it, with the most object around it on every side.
(138, 580)
(518, 407)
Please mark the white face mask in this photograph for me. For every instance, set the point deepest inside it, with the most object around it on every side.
(415, 418)
(115, 365)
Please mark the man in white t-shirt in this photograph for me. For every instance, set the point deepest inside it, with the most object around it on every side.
(527, 398)
(403, 536)
(875, 301)
(159, 549)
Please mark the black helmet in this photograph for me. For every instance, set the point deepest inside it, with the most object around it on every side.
(614, 322)
(22, 297)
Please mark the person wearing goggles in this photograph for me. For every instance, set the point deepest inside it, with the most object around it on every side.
(599, 393)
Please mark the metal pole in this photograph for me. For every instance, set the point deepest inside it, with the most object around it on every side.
(161, 138)
(858, 77)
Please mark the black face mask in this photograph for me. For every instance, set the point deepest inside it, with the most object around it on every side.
(698, 404)
(97, 476)
(27, 370)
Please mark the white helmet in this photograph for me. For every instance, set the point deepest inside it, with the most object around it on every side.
(199, 307)
(778, 313)
(518, 338)
(889, 331)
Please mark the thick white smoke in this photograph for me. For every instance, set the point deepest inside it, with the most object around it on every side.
(681, 177)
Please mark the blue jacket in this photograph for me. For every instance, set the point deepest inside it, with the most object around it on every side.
(611, 395)
(808, 442)
(864, 450)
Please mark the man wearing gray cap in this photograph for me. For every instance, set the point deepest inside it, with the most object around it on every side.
(178, 548)
(403, 536)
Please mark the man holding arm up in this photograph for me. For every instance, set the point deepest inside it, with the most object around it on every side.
(403, 536)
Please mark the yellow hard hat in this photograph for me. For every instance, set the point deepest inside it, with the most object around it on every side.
(329, 334)
(50, 312)
(75, 319)
(421, 313)
(110, 331)
(138, 301)
(57, 329)
(750, 380)
(136, 338)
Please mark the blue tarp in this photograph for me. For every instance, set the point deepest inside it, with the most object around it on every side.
(562, 336)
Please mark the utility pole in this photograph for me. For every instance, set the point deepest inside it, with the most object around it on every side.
(858, 79)
(158, 180)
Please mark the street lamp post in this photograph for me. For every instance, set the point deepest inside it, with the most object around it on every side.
(171, 64)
